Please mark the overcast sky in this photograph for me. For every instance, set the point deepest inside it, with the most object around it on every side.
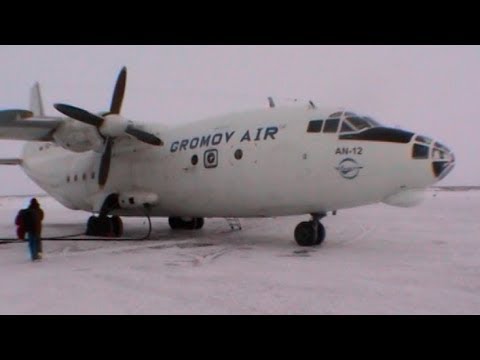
(429, 89)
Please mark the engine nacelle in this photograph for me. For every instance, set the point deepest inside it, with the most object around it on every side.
(114, 125)
(135, 200)
(78, 137)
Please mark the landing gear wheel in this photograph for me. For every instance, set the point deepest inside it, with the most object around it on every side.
(105, 226)
(91, 226)
(177, 223)
(99, 226)
(199, 223)
(321, 233)
(310, 233)
(305, 234)
(117, 226)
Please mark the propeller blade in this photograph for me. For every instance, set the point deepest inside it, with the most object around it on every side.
(143, 136)
(79, 114)
(119, 92)
(105, 163)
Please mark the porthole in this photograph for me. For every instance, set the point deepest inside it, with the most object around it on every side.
(238, 154)
(68, 179)
(84, 177)
(75, 178)
(194, 160)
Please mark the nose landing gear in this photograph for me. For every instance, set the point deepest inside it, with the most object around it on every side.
(310, 233)
(105, 226)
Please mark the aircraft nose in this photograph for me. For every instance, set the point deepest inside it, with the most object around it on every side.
(443, 161)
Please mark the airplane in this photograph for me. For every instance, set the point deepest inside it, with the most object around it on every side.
(271, 162)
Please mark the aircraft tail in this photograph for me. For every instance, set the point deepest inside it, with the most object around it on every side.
(36, 104)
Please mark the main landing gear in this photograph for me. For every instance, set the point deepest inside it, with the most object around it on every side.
(179, 223)
(105, 226)
(310, 233)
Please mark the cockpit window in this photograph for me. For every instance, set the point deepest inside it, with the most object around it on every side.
(346, 128)
(420, 151)
(380, 134)
(331, 125)
(358, 123)
(438, 154)
(442, 147)
(336, 115)
(423, 139)
(372, 122)
(315, 126)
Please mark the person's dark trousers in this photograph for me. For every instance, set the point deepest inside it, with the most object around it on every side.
(39, 246)
(33, 246)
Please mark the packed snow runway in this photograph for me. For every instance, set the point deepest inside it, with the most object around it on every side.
(375, 260)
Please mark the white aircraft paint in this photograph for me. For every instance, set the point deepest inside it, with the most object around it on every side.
(293, 173)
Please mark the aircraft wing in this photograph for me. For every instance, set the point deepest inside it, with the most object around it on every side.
(23, 125)
(10, 161)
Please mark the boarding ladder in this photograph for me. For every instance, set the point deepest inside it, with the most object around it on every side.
(234, 224)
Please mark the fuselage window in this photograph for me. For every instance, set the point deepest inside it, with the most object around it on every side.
(238, 154)
(420, 151)
(68, 179)
(315, 126)
(84, 177)
(75, 178)
(194, 160)
(93, 175)
(331, 126)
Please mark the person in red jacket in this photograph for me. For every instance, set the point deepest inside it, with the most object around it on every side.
(19, 221)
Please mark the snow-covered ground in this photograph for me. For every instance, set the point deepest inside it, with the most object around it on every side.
(376, 260)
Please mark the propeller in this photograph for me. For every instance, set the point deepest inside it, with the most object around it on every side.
(119, 92)
(105, 162)
(117, 125)
(110, 125)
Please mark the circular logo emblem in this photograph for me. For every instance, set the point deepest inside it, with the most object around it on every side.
(349, 169)
(210, 159)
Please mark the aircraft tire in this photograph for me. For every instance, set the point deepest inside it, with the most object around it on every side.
(305, 234)
(99, 226)
(117, 226)
(199, 222)
(177, 223)
(91, 226)
(321, 234)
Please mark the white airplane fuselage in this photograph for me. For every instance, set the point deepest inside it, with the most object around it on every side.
(283, 169)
